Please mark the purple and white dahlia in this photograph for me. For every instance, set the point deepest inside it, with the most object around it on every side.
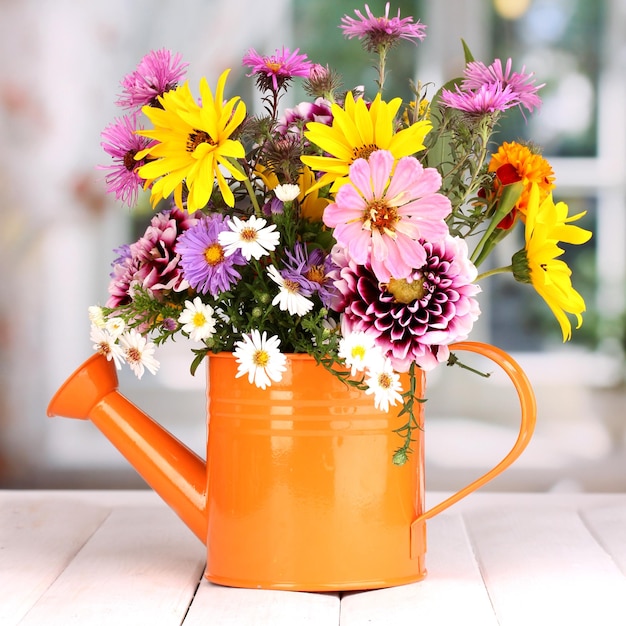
(412, 319)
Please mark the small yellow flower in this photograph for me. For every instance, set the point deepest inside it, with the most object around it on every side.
(357, 131)
(547, 224)
(192, 144)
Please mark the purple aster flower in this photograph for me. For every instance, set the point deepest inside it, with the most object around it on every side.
(205, 265)
(414, 319)
(273, 207)
(312, 270)
(521, 84)
(274, 72)
(486, 99)
(121, 142)
(157, 73)
(377, 32)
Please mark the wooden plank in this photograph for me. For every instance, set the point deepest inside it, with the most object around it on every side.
(142, 566)
(542, 566)
(226, 606)
(39, 536)
(608, 525)
(452, 592)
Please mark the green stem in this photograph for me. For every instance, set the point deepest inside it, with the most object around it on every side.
(498, 270)
(382, 59)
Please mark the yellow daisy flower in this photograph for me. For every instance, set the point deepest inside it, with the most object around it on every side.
(537, 263)
(192, 144)
(358, 130)
(528, 167)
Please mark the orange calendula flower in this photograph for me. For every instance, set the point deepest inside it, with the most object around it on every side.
(537, 263)
(516, 162)
(357, 131)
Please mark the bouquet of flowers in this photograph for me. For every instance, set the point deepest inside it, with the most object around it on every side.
(350, 227)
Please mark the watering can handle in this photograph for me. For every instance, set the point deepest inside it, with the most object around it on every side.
(528, 417)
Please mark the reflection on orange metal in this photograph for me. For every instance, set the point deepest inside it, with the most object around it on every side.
(298, 490)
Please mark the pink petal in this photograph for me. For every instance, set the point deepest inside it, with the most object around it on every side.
(360, 173)
(381, 164)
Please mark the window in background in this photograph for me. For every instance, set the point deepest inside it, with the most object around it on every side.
(562, 42)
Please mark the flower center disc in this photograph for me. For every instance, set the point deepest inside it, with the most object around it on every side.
(381, 216)
(404, 291)
(363, 152)
(214, 254)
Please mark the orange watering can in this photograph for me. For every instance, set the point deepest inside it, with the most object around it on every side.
(298, 490)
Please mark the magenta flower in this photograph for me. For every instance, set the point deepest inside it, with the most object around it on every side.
(295, 120)
(205, 266)
(382, 219)
(486, 99)
(377, 32)
(157, 73)
(274, 72)
(413, 319)
(522, 85)
(151, 263)
(120, 141)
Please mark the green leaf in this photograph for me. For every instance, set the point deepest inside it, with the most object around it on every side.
(469, 57)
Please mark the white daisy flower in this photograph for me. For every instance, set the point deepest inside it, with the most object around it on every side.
(96, 316)
(198, 319)
(359, 351)
(385, 384)
(115, 325)
(138, 352)
(105, 343)
(260, 358)
(251, 236)
(287, 192)
(289, 297)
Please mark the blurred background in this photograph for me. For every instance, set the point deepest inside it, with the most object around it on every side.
(61, 64)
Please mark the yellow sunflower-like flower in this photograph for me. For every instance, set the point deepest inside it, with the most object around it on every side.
(192, 144)
(516, 162)
(358, 130)
(537, 263)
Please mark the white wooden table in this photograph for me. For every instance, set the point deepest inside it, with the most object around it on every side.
(121, 557)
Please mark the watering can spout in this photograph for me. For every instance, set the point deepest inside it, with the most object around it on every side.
(176, 473)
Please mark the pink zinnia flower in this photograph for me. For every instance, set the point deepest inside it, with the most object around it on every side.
(381, 31)
(486, 99)
(382, 219)
(121, 142)
(413, 319)
(157, 73)
(274, 72)
(522, 85)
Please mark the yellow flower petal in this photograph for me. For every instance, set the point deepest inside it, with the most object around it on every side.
(191, 142)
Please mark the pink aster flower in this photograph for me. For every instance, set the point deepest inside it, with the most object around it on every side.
(377, 32)
(274, 72)
(120, 141)
(486, 99)
(413, 319)
(522, 85)
(157, 73)
(383, 219)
